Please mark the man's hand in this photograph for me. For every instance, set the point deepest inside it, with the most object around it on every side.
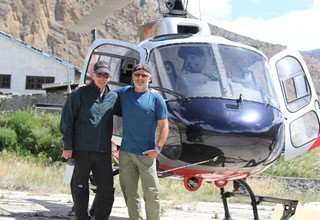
(153, 91)
(152, 154)
(81, 85)
(67, 154)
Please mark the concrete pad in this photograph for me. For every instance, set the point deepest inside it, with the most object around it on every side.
(18, 205)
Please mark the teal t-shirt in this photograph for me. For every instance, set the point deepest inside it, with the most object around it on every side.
(140, 114)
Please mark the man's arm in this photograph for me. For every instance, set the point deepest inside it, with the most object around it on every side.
(68, 116)
(117, 108)
(163, 135)
(164, 131)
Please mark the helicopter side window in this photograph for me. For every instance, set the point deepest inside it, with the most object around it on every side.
(93, 59)
(126, 71)
(120, 58)
(294, 82)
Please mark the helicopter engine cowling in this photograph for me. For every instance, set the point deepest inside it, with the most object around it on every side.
(192, 183)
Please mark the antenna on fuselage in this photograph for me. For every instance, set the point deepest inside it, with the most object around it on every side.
(93, 34)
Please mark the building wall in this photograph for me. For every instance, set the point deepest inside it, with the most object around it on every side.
(21, 60)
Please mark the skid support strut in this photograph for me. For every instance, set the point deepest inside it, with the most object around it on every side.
(227, 215)
(289, 205)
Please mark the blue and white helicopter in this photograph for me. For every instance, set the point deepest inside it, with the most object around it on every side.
(233, 111)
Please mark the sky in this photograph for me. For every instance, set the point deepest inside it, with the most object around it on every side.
(293, 23)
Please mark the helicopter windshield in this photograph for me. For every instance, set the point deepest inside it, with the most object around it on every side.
(212, 70)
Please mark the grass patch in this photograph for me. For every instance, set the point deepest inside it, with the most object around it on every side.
(303, 166)
(18, 173)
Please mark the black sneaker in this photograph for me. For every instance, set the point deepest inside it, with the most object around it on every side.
(72, 212)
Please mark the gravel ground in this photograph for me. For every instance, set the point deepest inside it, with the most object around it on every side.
(23, 205)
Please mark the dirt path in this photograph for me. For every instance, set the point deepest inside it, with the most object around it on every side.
(23, 205)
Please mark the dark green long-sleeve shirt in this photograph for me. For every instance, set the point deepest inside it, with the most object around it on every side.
(87, 119)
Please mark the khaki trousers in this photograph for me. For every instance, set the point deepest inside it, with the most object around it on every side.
(132, 167)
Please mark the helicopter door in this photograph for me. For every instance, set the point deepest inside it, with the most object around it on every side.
(298, 102)
(121, 56)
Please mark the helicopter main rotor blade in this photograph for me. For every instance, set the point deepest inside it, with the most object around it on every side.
(97, 16)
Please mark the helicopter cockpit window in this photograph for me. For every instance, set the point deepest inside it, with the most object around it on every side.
(189, 69)
(212, 70)
(121, 60)
(247, 74)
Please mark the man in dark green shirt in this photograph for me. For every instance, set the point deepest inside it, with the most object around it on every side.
(86, 126)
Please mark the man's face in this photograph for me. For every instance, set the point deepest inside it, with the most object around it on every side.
(141, 79)
(101, 80)
(195, 63)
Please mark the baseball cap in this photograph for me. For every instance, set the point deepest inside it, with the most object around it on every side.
(101, 67)
(141, 66)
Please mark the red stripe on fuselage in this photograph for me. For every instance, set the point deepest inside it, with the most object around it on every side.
(213, 176)
(315, 144)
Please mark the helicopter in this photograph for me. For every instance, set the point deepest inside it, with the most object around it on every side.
(232, 111)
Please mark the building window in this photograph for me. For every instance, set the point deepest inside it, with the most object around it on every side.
(35, 82)
(5, 81)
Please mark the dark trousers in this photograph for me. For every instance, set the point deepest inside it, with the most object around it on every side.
(101, 167)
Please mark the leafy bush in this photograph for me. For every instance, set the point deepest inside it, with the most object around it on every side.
(36, 133)
(8, 138)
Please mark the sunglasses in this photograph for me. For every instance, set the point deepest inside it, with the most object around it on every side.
(103, 75)
(140, 74)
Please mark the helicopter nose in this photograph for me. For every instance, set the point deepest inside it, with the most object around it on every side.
(241, 135)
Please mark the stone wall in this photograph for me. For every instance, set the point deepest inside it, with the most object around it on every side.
(301, 185)
(18, 102)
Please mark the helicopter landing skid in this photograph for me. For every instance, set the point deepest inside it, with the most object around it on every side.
(289, 205)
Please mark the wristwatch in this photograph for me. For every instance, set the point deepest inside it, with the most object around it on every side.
(158, 149)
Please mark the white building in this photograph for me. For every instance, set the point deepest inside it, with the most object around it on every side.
(23, 68)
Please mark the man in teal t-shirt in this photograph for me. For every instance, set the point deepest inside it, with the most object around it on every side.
(142, 112)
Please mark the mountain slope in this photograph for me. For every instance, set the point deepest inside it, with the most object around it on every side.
(313, 53)
(45, 24)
